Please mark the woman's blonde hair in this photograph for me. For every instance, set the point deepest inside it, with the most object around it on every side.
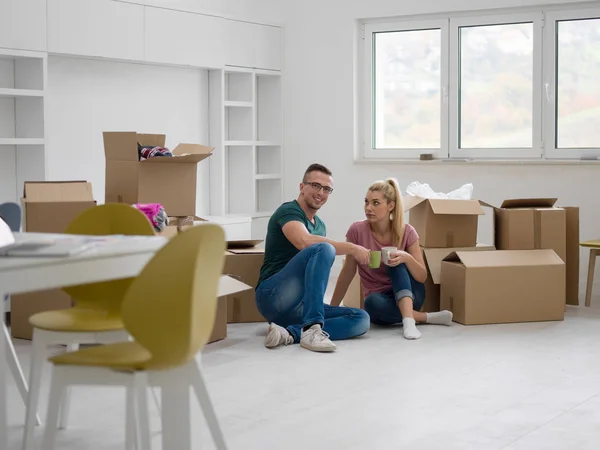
(391, 192)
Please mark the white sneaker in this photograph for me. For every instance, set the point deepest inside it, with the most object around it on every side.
(317, 340)
(277, 336)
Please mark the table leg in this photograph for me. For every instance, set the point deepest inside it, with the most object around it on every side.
(3, 399)
(175, 410)
(590, 279)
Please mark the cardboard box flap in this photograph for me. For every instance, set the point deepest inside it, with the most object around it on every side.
(435, 256)
(155, 140)
(61, 191)
(228, 286)
(410, 201)
(529, 203)
(456, 207)
(121, 145)
(247, 243)
(175, 159)
(192, 149)
(505, 258)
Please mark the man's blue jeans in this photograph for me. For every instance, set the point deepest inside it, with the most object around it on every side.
(383, 306)
(293, 297)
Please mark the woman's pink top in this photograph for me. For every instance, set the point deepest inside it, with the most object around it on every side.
(376, 280)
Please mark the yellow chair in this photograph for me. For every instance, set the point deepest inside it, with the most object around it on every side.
(96, 316)
(594, 247)
(170, 312)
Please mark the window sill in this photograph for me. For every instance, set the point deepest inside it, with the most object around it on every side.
(493, 162)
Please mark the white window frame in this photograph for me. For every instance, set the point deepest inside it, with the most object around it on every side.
(367, 116)
(550, 118)
(536, 150)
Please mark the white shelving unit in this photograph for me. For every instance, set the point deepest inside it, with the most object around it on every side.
(246, 131)
(22, 151)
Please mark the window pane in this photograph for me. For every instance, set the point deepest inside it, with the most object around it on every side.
(496, 86)
(578, 84)
(407, 98)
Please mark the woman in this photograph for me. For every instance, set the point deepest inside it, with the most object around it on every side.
(394, 292)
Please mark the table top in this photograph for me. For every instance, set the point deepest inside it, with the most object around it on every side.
(114, 246)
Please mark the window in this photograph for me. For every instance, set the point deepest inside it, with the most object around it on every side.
(506, 86)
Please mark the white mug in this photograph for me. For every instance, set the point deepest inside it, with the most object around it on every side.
(387, 253)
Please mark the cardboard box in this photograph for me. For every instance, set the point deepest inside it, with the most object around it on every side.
(572, 262)
(503, 286)
(354, 295)
(228, 286)
(529, 224)
(170, 181)
(433, 262)
(444, 223)
(243, 261)
(48, 207)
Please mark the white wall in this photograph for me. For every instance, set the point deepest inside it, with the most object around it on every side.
(87, 97)
(319, 92)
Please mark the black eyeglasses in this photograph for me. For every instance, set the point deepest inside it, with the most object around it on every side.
(318, 186)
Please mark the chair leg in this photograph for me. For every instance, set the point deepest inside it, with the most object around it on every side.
(140, 381)
(65, 404)
(58, 384)
(175, 413)
(38, 357)
(17, 371)
(590, 278)
(207, 406)
(130, 420)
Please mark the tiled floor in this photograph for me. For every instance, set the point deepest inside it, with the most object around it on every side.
(515, 387)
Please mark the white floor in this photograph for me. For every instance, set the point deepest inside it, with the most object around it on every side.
(515, 387)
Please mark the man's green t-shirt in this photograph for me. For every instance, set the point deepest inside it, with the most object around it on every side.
(278, 250)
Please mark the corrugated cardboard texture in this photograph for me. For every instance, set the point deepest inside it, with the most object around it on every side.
(169, 181)
(433, 262)
(220, 328)
(354, 296)
(245, 267)
(572, 245)
(503, 286)
(444, 223)
(24, 306)
(48, 207)
(532, 228)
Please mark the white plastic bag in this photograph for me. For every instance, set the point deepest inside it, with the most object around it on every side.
(465, 192)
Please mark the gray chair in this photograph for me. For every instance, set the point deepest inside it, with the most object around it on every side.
(11, 214)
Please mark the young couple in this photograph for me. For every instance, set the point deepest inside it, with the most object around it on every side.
(298, 260)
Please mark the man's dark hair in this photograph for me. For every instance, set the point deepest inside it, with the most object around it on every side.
(316, 168)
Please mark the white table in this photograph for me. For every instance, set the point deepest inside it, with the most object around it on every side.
(120, 258)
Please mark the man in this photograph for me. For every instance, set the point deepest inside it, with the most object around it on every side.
(295, 273)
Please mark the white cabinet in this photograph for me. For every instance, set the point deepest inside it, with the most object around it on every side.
(253, 45)
(99, 28)
(181, 38)
(23, 24)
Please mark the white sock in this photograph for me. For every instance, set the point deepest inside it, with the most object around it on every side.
(439, 318)
(410, 329)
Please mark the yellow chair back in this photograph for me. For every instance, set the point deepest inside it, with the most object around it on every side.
(170, 307)
(104, 220)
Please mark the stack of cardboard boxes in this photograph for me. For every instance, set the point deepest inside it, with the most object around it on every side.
(530, 274)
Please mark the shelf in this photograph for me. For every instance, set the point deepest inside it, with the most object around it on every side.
(21, 141)
(262, 214)
(268, 176)
(237, 143)
(267, 144)
(233, 104)
(4, 92)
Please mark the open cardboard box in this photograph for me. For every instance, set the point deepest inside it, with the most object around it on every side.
(228, 286)
(503, 286)
(48, 207)
(170, 181)
(444, 223)
(243, 261)
(537, 223)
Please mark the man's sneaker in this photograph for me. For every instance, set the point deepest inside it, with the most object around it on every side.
(277, 336)
(317, 340)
